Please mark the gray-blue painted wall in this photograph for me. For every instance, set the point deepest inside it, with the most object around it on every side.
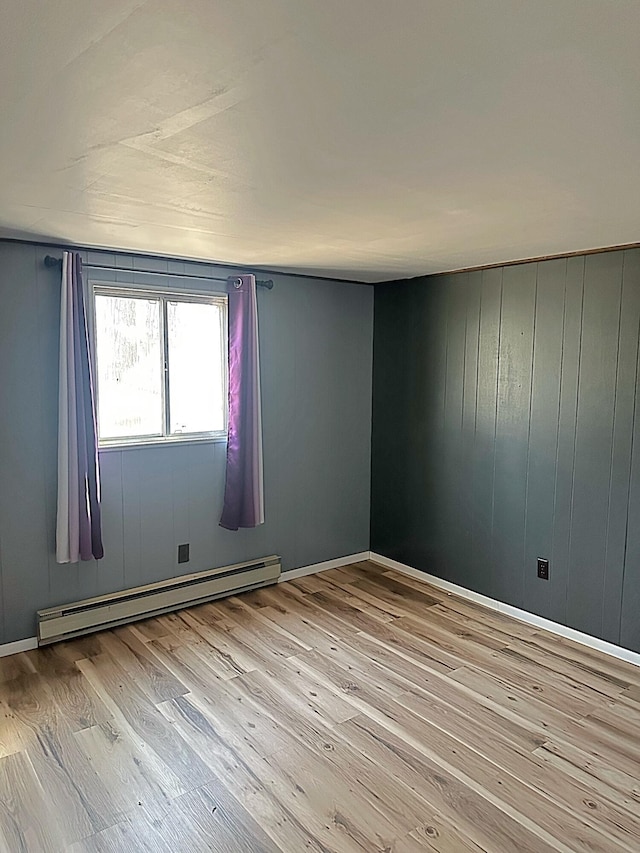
(506, 427)
(316, 361)
(505, 413)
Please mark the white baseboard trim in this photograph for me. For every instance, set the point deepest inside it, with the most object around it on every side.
(509, 610)
(323, 567)
(19, 646)
(491, 603)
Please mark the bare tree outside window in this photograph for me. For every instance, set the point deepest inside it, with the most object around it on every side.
(160, 365)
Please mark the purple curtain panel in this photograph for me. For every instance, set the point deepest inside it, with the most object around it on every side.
(78, 528)
(244, 491)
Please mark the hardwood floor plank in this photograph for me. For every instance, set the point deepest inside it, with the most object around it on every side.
(344, 815)
(222, 662)
(388, 588)
(299, 693)
(364, 570)
(537, 683)
(81, 648)
(15, 735)
(397, 599)
(27, 822)
(13, 666)
(155, 681)
(593, 772)
(445, 751)
(465, 607)
(416, 649)
(308, 584)
(252, 631)
(298, 724)
(578, 678)
(605, 744)
(132, 710)
(69, 780)
(581, 655)
(436, 686)
(71, 692)
(234, 656)
(150, 629)
(246, 776)
(468, 629)
(354, 711)
(131, 834)
(322, 618)
(510, 700)
(202, 820)
(462, 651)
(375, 674)
(456, 699)
(439, 836)
(298, 625)
(475, 817)
(132, 774)
(619, 825)
(446, 616)
(343, 580)
(337, 604)
(247, 615)
(366, 779)
(222, 701)
(212, 819)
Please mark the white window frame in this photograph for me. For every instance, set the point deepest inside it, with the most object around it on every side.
(105, 288)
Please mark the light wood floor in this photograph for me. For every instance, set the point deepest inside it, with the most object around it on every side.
(357, 710)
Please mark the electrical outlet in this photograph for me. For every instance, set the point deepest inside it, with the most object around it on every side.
(183, 553)
(543, 569)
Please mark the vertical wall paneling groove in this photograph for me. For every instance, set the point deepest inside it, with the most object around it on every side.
(434, 443)
(543, 433)
(482, 478)
(564, 476)
(529, 417)
(316, 365)
(534, 369)
(621, 446)
(23, 529)
(451, 485)
(469, 414)
(414, 472)
(630, 603)
(493, 581)
(514, 381)
(594, 426)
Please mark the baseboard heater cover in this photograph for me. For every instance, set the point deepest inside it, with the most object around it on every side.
(107, 611)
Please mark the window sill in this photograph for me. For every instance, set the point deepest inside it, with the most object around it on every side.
(160, 442)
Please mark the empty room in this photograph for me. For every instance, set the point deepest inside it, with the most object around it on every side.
(319, 426)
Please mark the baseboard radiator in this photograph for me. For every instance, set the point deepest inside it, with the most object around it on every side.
(142, 602)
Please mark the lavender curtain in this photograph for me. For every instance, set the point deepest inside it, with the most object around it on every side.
(244, 493)
(78, 529)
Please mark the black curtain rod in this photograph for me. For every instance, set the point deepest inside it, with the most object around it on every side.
(50, 261)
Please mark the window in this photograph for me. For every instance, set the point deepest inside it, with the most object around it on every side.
(161, 366)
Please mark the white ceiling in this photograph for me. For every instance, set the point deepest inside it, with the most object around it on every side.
(365, 139)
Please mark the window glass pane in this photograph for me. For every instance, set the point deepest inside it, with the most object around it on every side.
(196, 376)
(129, 366)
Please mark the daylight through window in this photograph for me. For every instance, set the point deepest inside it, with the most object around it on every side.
(161, 366)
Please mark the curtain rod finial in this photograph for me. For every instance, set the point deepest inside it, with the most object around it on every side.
(50, 261)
